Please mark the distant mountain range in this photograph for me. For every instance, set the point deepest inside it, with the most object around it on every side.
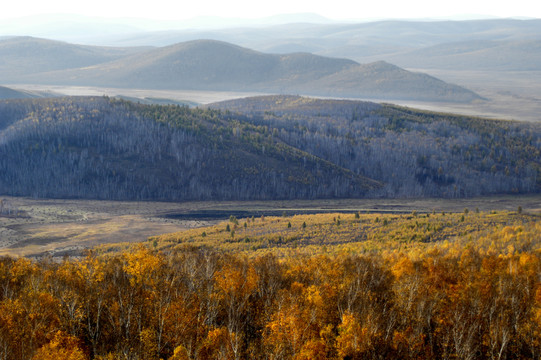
(27, 55)
(498, 44)
(507, 55)
(215, 65)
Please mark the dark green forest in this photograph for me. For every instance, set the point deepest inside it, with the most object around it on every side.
(281, 147)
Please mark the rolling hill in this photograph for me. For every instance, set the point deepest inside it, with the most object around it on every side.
(272, 147)
(27, 55)
(7, 93)
(202, 65)
(214, 65)
(113, 149)
(11, 93)
(404, 43)
(381, 80)
(517, 55)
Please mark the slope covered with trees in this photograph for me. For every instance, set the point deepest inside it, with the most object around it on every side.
(109, 149)
(414, 153)
(258, 148)
(476, 298)
(335, 233)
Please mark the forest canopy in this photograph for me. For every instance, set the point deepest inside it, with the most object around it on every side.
(478, 297)
(282, 147)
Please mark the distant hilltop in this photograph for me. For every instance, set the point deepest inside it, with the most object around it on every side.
(216, 65)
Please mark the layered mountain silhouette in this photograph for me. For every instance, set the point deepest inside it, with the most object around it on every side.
(27, 55)
(215, 65)
(495, 44)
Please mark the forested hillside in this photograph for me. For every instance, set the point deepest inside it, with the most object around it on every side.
(478, 297)
(111, 149)
(414, 153)
(258, 148)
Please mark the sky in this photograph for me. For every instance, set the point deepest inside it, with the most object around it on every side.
(335, 9)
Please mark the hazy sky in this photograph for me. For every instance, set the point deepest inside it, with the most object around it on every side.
(335, 9)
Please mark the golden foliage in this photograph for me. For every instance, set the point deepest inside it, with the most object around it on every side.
(336, 233)
(63, 347)
(476, 294)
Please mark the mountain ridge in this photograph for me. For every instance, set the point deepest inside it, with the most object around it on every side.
(217, 65)
(388, 40)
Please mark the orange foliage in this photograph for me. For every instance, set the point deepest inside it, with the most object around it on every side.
(63, 347)
(473, 299)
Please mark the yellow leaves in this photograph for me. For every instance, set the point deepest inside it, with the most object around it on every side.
(214, 305)
(141, 265)
(180, 353)
(21, 267)
(529, 261)
(508, 233)
(403, 267)
(217, 336)
(109, 356)
(300, 327)
(91, 268)
(10, 311)
(349, 336)
(355, 337)
(61, 347)
(217, 344)
(149, 344)
(236, 280)
(313, 296)
(313, 349)
(406, 234)
(285, 333)
(538, 295)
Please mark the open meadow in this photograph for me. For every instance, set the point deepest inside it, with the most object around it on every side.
(68, 227)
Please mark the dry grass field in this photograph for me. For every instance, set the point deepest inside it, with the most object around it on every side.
(61, 227)
(68, 227)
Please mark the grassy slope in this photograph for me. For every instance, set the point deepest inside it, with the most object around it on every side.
(362, 233)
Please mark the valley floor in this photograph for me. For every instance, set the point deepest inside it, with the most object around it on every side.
(512, 95)
(509, 95)
(34, 227)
